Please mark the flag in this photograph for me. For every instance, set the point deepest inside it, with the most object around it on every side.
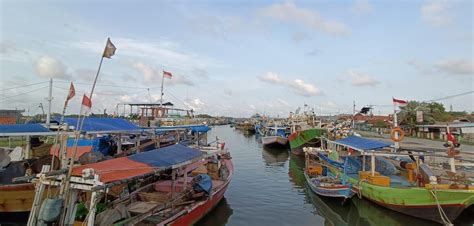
(167, 74)
(399, 102)
(72, 92)
(109, 50)
(86, 105)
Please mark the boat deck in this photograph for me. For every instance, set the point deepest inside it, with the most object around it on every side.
(396, 181)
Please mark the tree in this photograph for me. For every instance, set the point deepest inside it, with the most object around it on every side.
(407, 115)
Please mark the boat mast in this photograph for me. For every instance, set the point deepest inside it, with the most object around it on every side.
(50, 98)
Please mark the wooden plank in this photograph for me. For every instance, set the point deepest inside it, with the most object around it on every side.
(141, 207)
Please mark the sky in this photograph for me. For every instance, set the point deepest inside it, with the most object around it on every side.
(238, 58)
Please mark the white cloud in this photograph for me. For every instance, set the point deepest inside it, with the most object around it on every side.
(166, 53)
(361, 7)
(49, 67)
(436, 13)
(305, 89)
(455, 66)
(289, 12)
(359, 79)
(298, 86)
(195, 104)
(271, 78)
(151, 74)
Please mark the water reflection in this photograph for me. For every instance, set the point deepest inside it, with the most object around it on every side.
(218, 216)
(275, 157)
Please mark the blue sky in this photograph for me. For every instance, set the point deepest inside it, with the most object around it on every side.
(238, 58)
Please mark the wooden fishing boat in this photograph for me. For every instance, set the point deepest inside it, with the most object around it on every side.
(305, 138)
(171, 200)
(417, 192)
(329, 186)
(322, 182)
(162, 204)
(275, 137)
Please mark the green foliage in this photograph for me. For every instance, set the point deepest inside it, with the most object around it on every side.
(432, 113)
(380, 124)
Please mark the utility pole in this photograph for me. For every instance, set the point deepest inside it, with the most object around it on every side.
(50, 98)
(353, 115)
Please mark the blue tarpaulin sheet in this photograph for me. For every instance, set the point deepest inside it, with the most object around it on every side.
(204, 183)
(23, 128)
(83, 142)
(194, 128)
(103, 124)
(167, 156)
(330, 161)
(361, 143)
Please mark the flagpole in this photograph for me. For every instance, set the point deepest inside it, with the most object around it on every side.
(78, 132)
(395, 124)
(162, 81)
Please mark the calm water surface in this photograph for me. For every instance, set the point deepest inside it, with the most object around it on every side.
(268, 188)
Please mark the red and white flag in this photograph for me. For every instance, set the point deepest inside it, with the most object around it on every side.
(400, 102)
(86, 105)
(167, 74)
(72, 92)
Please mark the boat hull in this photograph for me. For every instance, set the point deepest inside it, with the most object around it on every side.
(419, 202)
(305, 138)
(16, 198)
(341, 192)
(414, 201)
(275, 142)
(196, 213)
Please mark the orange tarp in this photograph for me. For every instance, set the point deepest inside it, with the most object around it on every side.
(70, 151)
(115, 169)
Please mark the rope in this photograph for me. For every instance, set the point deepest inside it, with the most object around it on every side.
(442, 214)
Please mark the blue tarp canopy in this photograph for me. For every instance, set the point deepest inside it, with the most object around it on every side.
(103, 124)
(23, 128)
(194, 128)
(361, 143)
(167, 156)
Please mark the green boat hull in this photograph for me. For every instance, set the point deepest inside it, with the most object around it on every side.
(305, 138)
(414, 201)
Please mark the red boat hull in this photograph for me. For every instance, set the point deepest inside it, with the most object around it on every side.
(200, 211)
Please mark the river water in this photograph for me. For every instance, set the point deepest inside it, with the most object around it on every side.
(268, 188)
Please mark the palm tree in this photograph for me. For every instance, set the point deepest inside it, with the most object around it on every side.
(407, 115)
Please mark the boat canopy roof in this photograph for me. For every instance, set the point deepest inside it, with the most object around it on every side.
(142, 163)
(361, 144)
(104, 124)
(24, 130)
(194, 128)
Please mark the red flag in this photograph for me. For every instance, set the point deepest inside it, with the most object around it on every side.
(72, 92)
(86, 105)
(167, 74)
(399, 102)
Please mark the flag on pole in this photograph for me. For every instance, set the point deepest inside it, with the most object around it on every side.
(167, 74)
(86, 105)
(109, 50)
(399, 102)
(72, 92)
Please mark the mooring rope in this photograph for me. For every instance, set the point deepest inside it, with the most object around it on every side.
(442, 214)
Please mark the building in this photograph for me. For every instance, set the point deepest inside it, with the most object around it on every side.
(10, 116)
(439, 131)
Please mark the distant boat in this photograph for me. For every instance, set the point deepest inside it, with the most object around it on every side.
(306, 131)
(305, 138)
(275, 137)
